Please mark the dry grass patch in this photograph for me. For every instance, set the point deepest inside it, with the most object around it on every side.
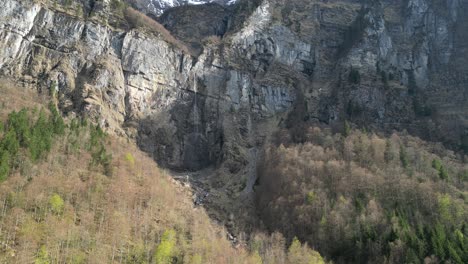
(140, 20)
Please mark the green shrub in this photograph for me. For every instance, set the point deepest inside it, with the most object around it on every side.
(99, 154)
(165, 250)
(389, 156)
(404, 157)
(463, 176)
(347, 129)
(443, 173)
(137, 254)
(53, 88)
(130, 159)
(101, 158)
(56, 204)
(311, 196)
(42, 256)
(436, 164)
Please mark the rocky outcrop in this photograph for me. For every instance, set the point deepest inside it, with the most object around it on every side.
(135, 83)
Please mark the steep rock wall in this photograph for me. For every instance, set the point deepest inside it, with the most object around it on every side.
(408, 57)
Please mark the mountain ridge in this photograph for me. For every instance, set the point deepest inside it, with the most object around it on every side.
(157, 7)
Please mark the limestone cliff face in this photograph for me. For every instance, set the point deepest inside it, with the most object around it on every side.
(386, 65)
(133, 82)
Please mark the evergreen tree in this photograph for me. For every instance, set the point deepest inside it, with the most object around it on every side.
(4, 165)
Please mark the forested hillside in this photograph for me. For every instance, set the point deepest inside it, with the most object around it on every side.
(363, 198)
(70, 193)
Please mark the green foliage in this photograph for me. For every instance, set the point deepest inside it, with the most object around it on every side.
(445, 204)
(389, 156)
(19, 125)
(436, 164)
(10, 143)
(99, 154)
(101, 158)
(137, 254)
(311, 196)
(4, 165)
(36, 136)
(53, 87)
(118, 6)
(404, 157)
(56, 120)
(256, 258)
(298, 253)
(443, 173)
(42, 256)
(56, 204)
(347, 129)
(165, 250)
(78, 258)
(41, 137)
(463, 176)
(294, 252)
(96, 137)
(196, 259)
(28, 132)
(354, 76)
(130, 159)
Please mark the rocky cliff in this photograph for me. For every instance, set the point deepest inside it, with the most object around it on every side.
(262, 64)
(157, 7)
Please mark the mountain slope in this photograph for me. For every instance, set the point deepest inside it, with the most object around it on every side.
(259, 68)
(66, 208)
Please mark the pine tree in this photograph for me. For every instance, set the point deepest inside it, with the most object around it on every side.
(4, 165)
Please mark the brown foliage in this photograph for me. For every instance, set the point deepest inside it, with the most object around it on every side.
(332, 191)
(139, 20)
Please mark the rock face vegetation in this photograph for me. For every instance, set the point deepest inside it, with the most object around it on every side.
(248, 131)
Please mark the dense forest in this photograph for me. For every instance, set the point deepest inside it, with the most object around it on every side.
(363, 198)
